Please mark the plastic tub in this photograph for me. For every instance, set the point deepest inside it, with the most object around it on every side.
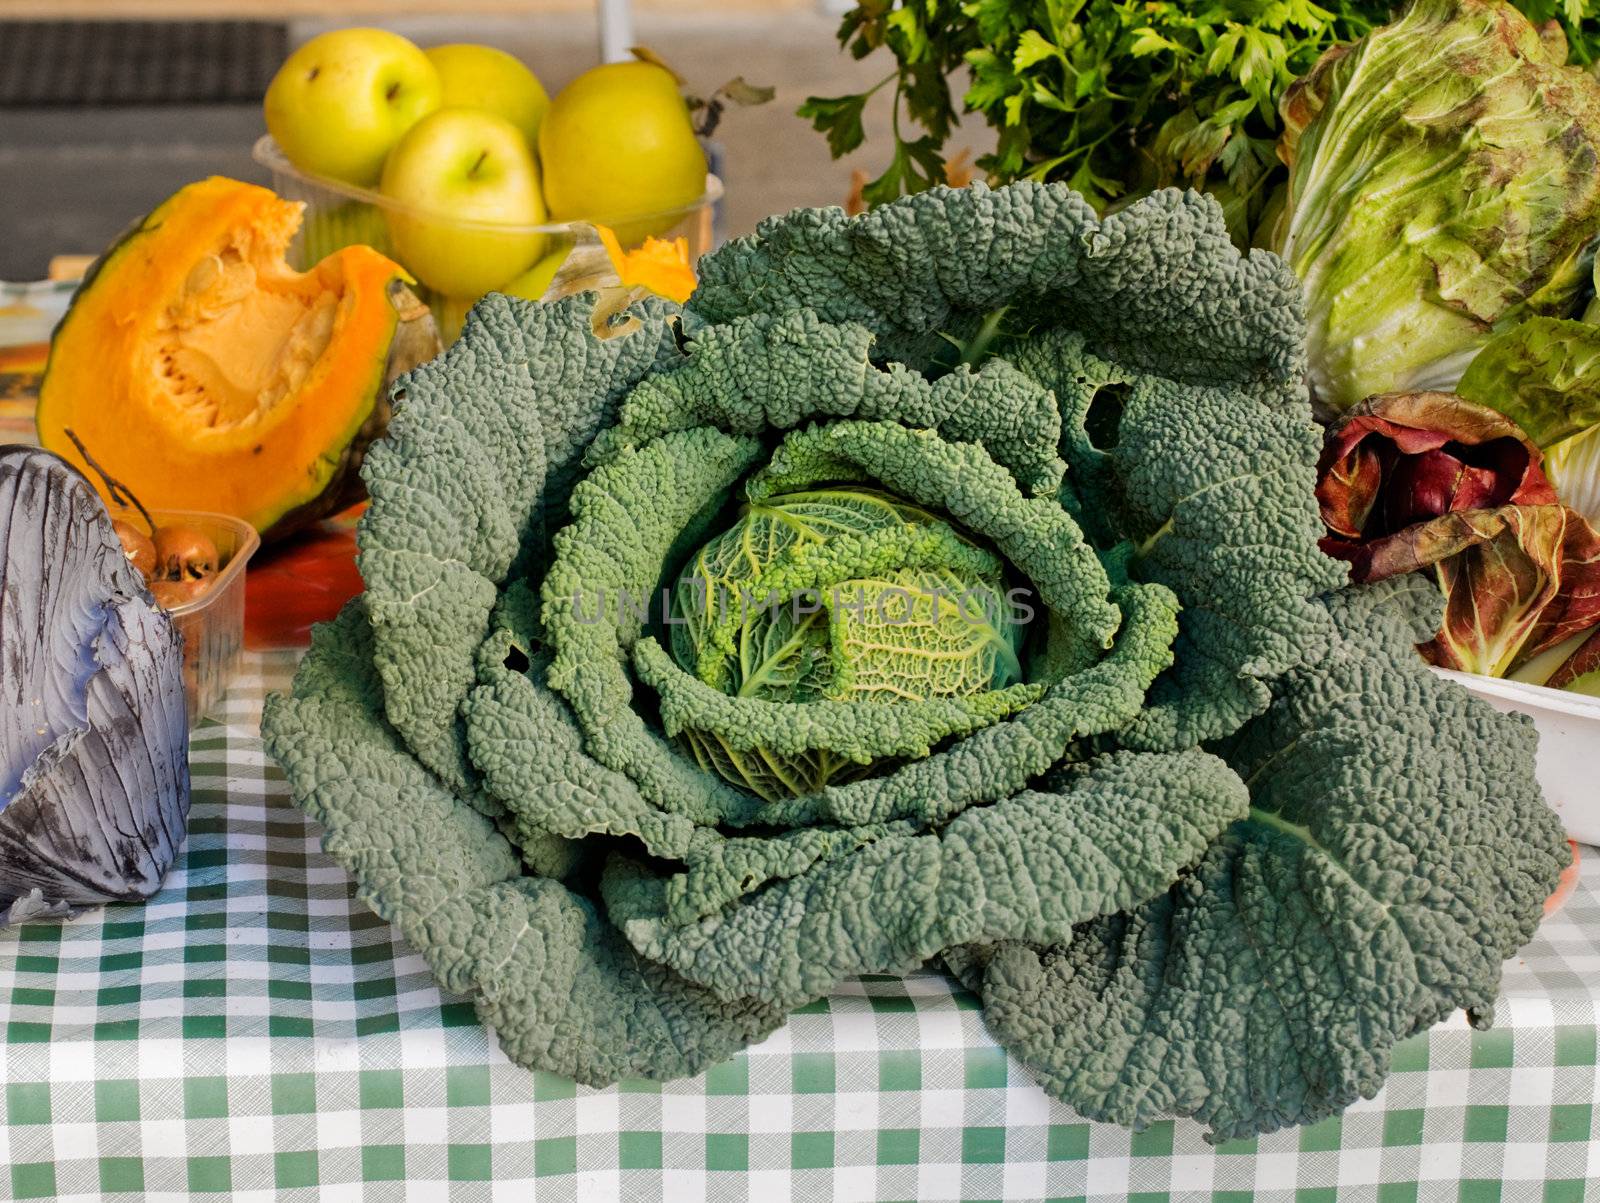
(212, 625)
(339, 214)
(1569, 744)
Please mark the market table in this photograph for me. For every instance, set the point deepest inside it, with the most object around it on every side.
(255, 1031)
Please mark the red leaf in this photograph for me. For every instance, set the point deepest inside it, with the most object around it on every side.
(1517, 580)
(1581, 663)
(1347, 491)
(1401, 458)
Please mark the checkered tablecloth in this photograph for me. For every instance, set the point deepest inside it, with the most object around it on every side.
(254, 1032)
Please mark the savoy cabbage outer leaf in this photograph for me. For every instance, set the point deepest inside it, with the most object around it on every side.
(1156, 287)
(559, 985)
(764, 372)
(1027, 868)
(1355, 906)
(560, 780)
(509, 408)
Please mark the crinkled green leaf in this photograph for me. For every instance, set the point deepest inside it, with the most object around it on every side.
(864, 731)
(560, 987)
(1000, 760)
(764, 372)
(1036, 863)
(731, 627)
(1157, 286)
(625, 517)
(1360, 902)
(613, 550)
(723, 871)
(563, 791)
(1034, 534)
(1215, 490)
(509, 408)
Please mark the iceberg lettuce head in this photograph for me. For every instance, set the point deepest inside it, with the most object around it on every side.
(1444, 183)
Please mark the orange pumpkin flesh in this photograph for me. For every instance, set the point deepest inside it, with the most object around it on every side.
(206, 374)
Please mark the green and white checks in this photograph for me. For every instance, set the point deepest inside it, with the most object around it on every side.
(254, 1032)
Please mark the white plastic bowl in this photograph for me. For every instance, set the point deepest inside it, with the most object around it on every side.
(1569, 744)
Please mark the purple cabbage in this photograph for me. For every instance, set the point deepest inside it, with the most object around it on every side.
(94, 742)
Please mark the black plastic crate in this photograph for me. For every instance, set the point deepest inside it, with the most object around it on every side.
(96, 63)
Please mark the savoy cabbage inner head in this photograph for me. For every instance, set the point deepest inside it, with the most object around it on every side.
(648, 727)
(846, 594)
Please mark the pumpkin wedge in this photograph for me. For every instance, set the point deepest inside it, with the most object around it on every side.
(204, 373)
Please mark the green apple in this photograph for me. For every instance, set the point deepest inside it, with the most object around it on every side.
(617, 143)
(340, 102)
(481, 77)
(531, 284)
(455, 176)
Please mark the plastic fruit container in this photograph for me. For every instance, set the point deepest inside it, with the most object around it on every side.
(339, 214)
(1569, 743)
(212, 625)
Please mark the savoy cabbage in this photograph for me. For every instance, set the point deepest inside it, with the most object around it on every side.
(1200, 831)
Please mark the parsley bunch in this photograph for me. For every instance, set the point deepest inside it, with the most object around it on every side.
(1115, 97)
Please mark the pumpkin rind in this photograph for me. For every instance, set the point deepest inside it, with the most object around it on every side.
(205, 374)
